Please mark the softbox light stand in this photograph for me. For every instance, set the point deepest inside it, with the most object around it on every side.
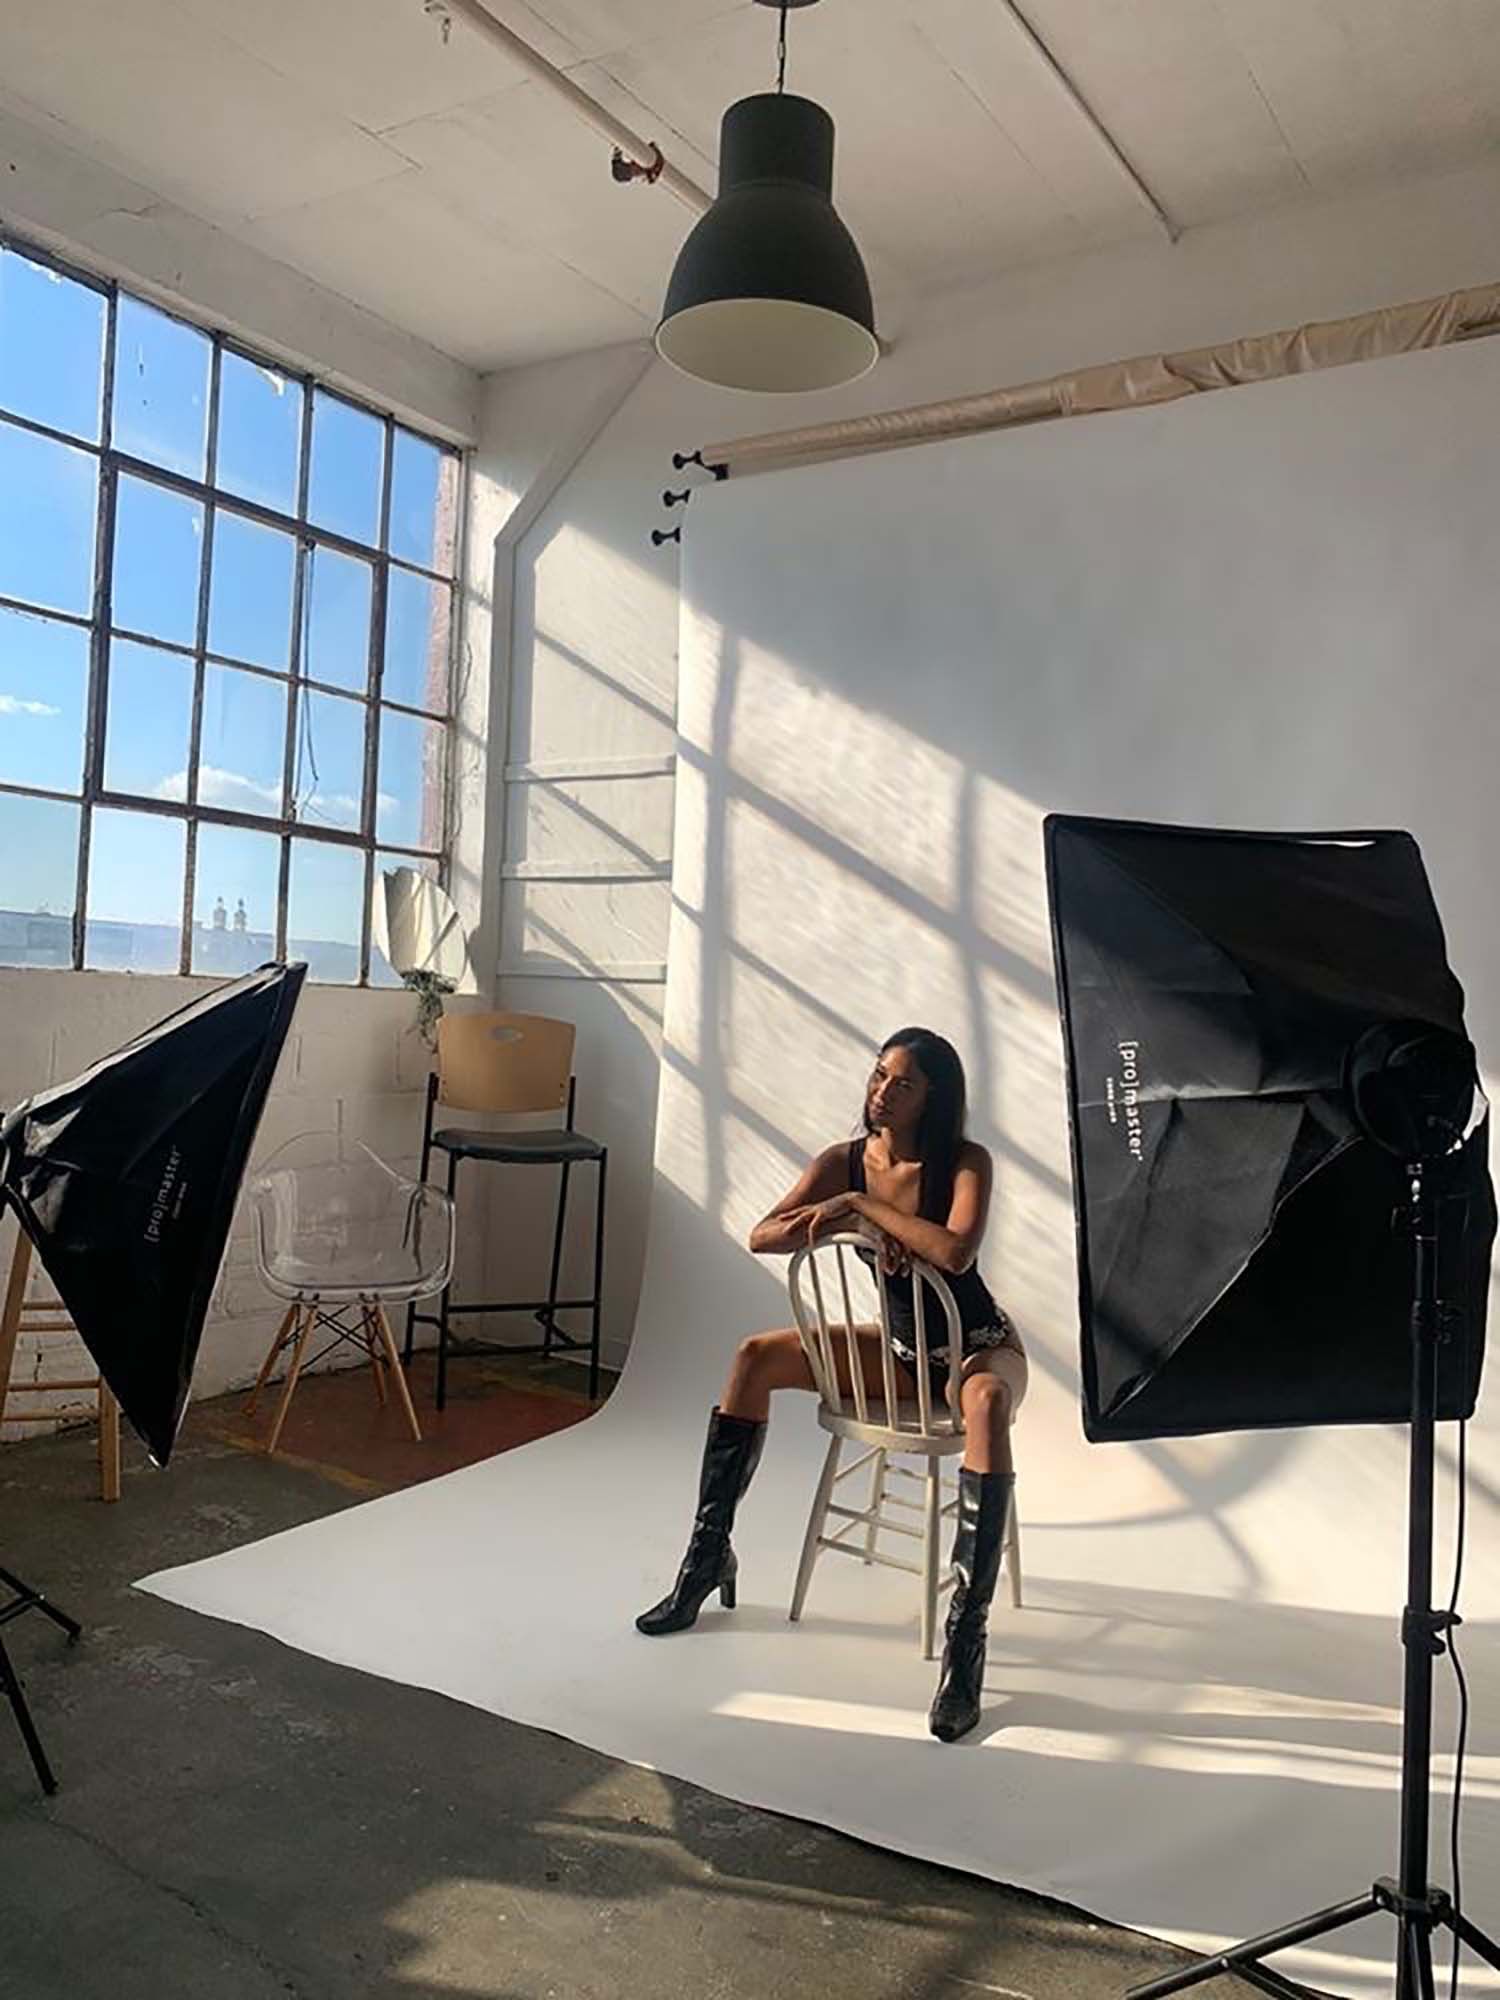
(125, 1180)
(1264, 1046)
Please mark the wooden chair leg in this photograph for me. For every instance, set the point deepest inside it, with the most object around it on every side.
(815, 1524)
(1013, 1553)
(932, 1556)
(371, 1335)
(109, 1444)
(10, 1315)
(308, 1313)
(398, 1373)
(877, 1501)
(283, 1333)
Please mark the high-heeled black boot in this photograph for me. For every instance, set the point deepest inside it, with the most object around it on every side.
(983, 1510)
(730, 1455)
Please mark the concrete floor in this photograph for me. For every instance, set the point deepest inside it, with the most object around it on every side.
(238, 1821)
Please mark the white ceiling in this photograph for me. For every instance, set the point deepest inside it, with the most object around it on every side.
(436, 186)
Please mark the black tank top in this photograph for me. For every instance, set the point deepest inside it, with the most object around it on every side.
(972, 1296)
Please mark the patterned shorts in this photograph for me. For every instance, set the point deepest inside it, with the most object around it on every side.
(977, 1340)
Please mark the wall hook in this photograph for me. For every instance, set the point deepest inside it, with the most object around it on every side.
(660, 535)
(671, 499)
(682, 460)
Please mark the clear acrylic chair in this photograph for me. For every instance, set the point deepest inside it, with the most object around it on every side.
(834, 1294)
(340, 1236)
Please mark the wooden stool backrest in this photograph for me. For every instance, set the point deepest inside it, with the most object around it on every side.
(504, 1062)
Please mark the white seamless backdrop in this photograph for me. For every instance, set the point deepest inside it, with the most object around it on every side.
(1275, 607)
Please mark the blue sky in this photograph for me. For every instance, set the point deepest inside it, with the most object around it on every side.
(52, 335)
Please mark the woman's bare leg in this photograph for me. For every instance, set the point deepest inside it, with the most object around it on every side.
(993, 1386)
(767, 1362)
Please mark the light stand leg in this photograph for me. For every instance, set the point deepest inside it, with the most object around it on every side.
(1418, 1907)
(28, 1599)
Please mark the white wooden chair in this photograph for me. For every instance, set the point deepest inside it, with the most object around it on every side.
(887, 1423)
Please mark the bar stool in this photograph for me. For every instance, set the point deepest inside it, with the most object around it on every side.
(48, 1319)
(512, 1063)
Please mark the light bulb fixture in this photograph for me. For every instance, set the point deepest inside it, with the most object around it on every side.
(770, 291)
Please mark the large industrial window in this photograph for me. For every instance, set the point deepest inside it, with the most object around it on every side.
(226, 631)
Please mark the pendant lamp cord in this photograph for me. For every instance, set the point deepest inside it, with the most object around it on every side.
(781, 49)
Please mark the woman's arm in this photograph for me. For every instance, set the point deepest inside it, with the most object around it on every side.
(950, 1247)
(785, 1228)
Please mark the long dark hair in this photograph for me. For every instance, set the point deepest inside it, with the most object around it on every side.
(940, 1133)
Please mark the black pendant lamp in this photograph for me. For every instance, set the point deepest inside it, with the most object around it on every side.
(770, 291)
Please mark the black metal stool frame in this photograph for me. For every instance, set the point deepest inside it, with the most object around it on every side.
(545, 1311)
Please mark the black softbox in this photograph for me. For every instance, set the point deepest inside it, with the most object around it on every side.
(125, 1180)
(1238, 1264)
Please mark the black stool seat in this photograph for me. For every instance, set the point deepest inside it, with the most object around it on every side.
(556, 1148)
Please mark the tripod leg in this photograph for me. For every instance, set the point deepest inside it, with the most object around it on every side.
(1471, 1935)
(36, 1602)
(1415, 1979)
(12, 1686)
(1241, 1956)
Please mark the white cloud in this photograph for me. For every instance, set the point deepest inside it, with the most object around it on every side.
(11, 704)
(229, 789)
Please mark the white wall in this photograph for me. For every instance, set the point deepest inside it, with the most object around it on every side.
(588, 647)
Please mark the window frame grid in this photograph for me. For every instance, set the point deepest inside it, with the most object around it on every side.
(111, 465)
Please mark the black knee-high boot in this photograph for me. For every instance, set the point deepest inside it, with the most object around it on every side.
(983, 1510)
(730, 1456)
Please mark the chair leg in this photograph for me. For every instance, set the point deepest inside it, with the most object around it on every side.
(373, 1341)
(598, 1282)
(11, 1684)
(442, 1364)
(109, 1444)
(1013, 1553)
(10, 1314)
(549, 1316)
(411, 1335)
(284, 1333)
(402, 1391)
(309, 1313)
(932, 1556)
(877, 1501)
(815, 1523)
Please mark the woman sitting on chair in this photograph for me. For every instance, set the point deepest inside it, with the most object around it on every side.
(920, 1189)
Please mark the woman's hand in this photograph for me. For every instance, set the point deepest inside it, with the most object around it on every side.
(895, 1258)
(821, 1218)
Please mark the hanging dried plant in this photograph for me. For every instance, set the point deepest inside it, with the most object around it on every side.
(430, 988)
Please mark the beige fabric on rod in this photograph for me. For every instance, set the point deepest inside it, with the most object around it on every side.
(1134, 384)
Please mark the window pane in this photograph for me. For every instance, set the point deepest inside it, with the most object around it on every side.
(260, 433)
(134, 921)
(51, 347)
(38, 882)
(161, 389)
(235, 885)
(417, 615)
(44, 678)
(158, 554)
(409, 795)
(324, 903)
(382, 972)
(149, 721)
(250, 592)
(242, 751)
(330, 768)
(48, 495)
(338, 620)
(348, 450)
(424, 502)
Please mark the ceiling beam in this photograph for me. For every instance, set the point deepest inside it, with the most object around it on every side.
(1106, 139)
